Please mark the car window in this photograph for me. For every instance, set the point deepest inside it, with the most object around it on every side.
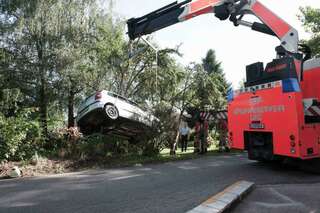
(112, 95)
(133, 103)
(123, 99)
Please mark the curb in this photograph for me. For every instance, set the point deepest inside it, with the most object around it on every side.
(224, 200)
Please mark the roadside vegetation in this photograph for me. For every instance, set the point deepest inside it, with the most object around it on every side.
(54, 53)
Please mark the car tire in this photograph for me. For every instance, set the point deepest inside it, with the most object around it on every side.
(111, 111)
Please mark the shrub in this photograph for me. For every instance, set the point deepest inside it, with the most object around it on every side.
(64, 142)
(97, 146)
(19, 136)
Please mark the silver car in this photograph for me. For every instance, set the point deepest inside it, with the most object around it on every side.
(110, 113)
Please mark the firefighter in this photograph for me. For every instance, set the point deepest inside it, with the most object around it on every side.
(197, 138)
(223, 135)
(201, 142)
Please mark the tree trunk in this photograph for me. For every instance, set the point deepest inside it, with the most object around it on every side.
(71, 96)
(43, 107)
(43, 99)
(177, 135)
(175, 143)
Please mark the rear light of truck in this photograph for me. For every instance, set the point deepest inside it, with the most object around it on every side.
(98, 96)
(292, 137)
(292, 143)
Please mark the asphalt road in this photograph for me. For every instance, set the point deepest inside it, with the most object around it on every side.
(291, 198)
(171, 187)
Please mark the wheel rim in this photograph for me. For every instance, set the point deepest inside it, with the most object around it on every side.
(111, 112)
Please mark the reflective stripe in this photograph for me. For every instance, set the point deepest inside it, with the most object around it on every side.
(314, 110)
(217, 116)
(311, 107)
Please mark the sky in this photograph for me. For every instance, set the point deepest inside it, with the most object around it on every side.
(235, 47)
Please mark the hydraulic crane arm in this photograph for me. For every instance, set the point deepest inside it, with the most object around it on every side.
(235, 10)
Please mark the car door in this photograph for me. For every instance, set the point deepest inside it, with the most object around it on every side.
(125, 108)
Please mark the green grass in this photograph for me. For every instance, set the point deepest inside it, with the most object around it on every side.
(138, 160)
(115, 161)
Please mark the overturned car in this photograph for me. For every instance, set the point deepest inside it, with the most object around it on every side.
(110, 113)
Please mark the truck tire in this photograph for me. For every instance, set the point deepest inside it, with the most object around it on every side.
(111, 111)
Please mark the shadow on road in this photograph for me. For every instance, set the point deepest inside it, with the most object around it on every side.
(170, 187)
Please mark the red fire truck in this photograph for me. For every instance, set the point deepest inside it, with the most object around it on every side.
(277, 114)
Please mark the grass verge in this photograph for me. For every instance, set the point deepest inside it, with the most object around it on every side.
(58, 166)
(138, 160)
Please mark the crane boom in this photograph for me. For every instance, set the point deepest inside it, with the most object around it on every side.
(235, 10)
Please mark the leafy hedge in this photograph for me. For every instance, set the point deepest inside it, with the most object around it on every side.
(19, 136)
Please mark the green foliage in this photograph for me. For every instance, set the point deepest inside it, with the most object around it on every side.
(19, 136)
(54, 53)
(98, 146)
(210, 63)
(310, 18)
(209, 84)
(9, 101)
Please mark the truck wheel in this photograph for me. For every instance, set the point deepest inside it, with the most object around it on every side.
(111, 111)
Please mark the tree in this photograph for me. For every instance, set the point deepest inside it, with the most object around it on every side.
(210, 63)
(55, 53)
(45, 44)
(32, 46)
(79, 29)
(210, 85)
(310, 18)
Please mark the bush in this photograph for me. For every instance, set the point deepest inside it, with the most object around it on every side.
(97, 146)
(19, 136)
(154, 145)
(63, 142)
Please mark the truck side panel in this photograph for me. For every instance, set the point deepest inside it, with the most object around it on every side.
(310, 132)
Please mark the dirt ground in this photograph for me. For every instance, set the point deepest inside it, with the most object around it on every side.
(37, 168)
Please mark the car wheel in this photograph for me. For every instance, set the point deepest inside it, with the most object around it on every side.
(111, 111)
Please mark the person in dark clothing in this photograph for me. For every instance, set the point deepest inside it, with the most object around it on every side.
(223, 135)
(184, 133)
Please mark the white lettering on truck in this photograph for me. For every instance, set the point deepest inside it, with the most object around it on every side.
(255, 110)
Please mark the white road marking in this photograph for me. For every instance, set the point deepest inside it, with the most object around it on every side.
(278, 205)
(188, 167)
(288, 201)
(125, 177)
